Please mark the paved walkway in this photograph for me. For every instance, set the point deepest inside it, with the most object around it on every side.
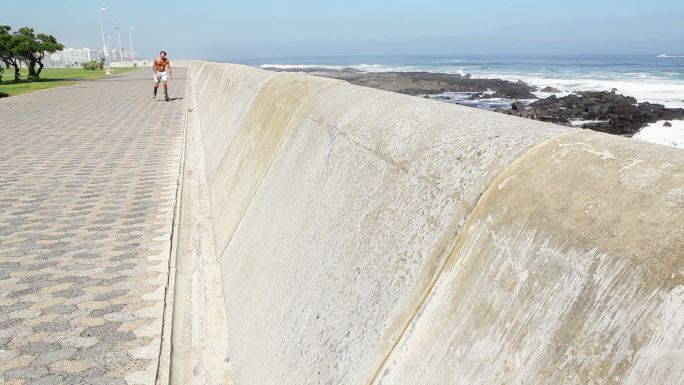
(88, 177)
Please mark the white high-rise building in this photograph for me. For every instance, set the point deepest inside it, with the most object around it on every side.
(74, 57)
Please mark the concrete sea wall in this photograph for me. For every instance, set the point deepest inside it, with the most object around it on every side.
(366, 237)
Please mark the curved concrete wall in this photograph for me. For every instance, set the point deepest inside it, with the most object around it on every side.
(367, 237)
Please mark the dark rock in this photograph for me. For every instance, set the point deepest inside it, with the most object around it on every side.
(667, 124)
(518, 106)
(553, 119)
(550, 89)
(622, 114)
(517, 109)
(479, 95)
(421, 83)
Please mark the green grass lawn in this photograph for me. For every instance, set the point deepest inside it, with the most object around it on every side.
(50, 78)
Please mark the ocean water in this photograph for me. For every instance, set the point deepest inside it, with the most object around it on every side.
(654, 78)
(648, 78)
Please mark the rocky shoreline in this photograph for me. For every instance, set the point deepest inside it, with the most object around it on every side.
(603, 111)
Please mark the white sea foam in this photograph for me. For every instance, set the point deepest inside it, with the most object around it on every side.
(389, 68)
(370, 68)
(580, 123)
(463, 98)
(658, 133)
(670, 93)
(642, 86)
(302, 66)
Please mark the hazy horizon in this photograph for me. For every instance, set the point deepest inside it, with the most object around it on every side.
(442, 55)
(217, 30)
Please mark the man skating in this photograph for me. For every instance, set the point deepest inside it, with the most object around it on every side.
(160, 67)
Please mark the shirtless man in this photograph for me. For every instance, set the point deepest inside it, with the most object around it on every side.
(159, 67)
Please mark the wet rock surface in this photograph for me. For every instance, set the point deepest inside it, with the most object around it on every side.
(421, 83)
(605, 111)
(550, 89)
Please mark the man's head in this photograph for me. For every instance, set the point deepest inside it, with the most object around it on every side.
(162, 54)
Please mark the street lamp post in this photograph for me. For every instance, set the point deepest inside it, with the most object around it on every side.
(109, 50)
(121, 60)
(108, 71)
(130, 37)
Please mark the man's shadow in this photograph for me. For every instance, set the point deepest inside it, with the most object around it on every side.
(170, 99)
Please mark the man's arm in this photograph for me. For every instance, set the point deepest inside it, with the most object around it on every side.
(154, 68)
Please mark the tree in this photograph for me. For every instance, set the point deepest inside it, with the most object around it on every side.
(7, 46)
(31, 48)
(92, 65)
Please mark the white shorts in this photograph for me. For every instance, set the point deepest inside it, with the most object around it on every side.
(161, 76)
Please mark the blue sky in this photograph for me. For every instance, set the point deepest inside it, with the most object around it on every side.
(223, 30)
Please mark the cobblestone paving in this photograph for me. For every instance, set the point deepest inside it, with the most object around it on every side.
(88, 177)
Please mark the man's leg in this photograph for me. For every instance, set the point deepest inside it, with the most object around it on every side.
(156, 85)
(166, 90)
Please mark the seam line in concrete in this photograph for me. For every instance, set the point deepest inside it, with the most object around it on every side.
(460, 239)
(167, 324)
(257, 89)
(286, 134)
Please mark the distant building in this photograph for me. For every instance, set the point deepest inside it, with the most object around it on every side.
(73, 57)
